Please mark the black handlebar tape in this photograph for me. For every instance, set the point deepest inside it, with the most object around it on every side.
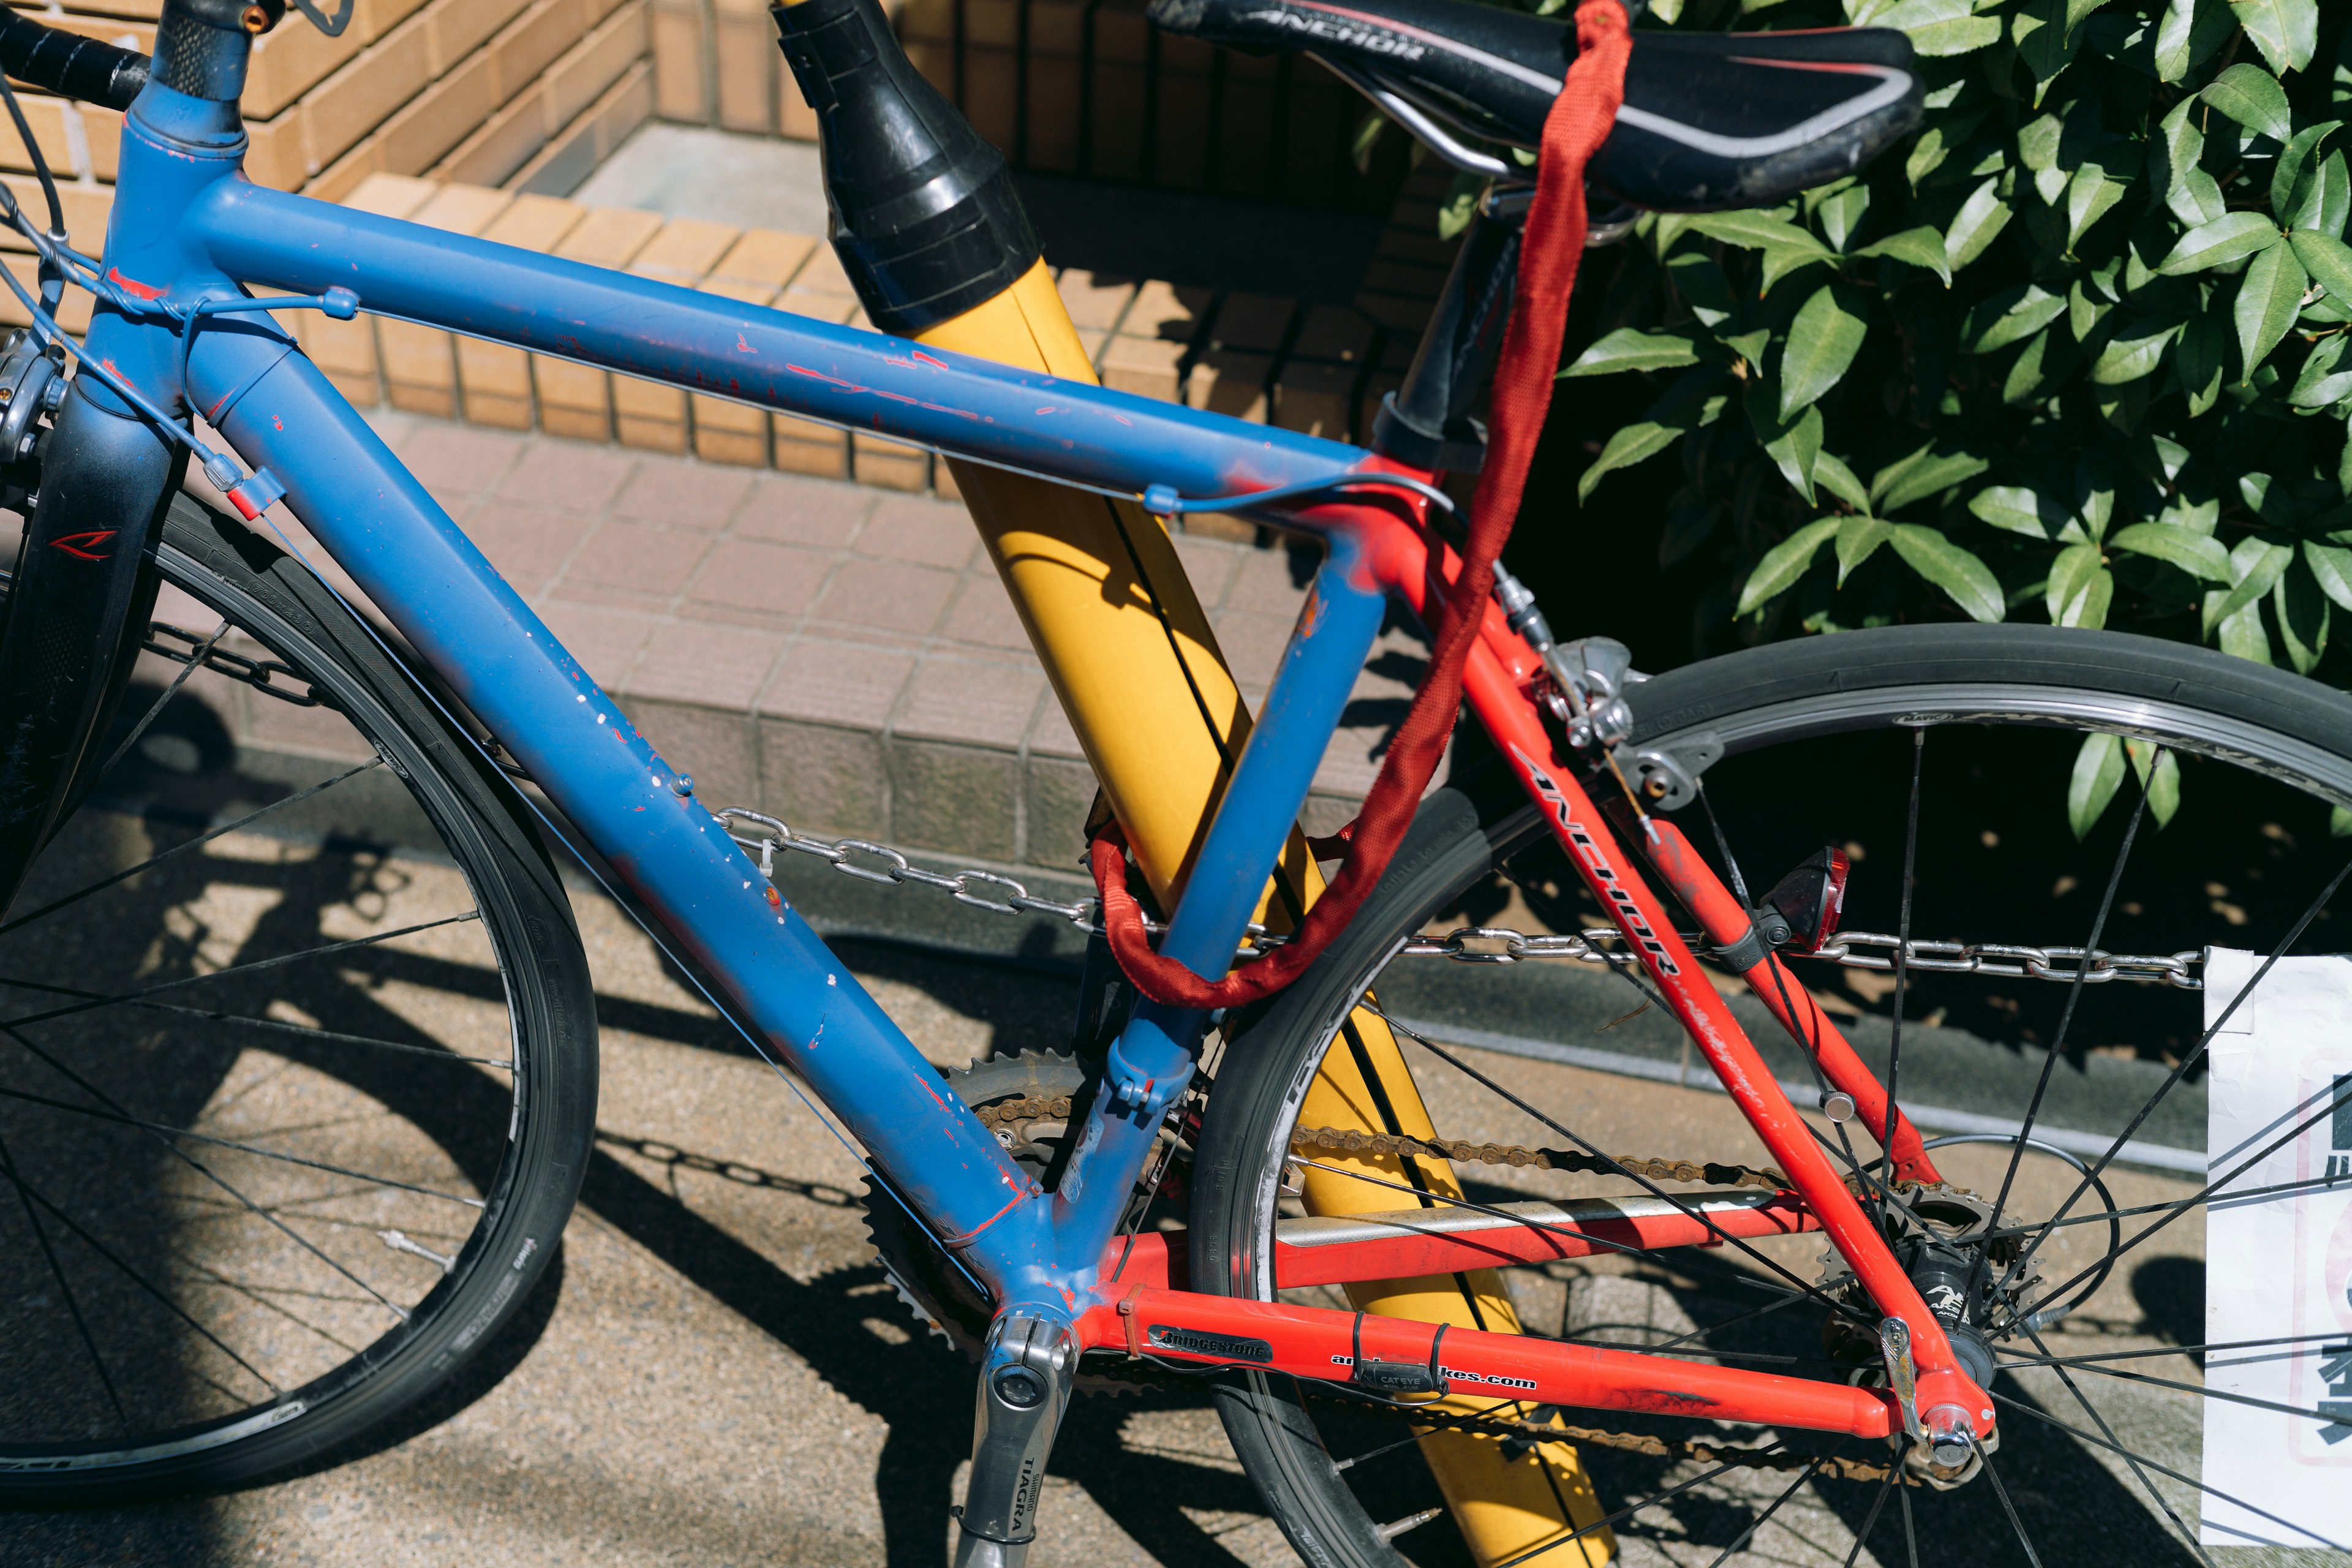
(66, 63)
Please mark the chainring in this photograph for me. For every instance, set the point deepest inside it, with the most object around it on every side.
(1046, 1091)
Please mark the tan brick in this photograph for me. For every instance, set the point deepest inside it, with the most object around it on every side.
(889, 465)
(569, 157)
(456, 29)
(823, 275)
(990, 95)
(363, 93)
(626, 105)
(73, 311)
(86, 208)
(680, 61)
(1093, 299)
(684, 250)
(290, 60)
(991, 23)
(1316, 399)
(391, 195)
(927, 22)
(420, 364)
(1253, 322)
(743, 48)
(378, 18)
(795, 121)
(47, 118)
(1231, 383)
(535, 223)
(765, 256)
(1055, 91)
(439, 118)
(347, 173)
(1333, 334)
(532, 42)
(590, 67)
(1147, 367)
(504, 143)
(276, 155)
(1165, 311)
(103, 128)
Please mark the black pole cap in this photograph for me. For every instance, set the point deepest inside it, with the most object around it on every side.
(925, 218)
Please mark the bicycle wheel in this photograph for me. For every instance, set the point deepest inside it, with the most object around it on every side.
(298, 1069)
(1977, 735)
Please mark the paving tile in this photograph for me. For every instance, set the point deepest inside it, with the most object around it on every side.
(456, 459)
(1253, 645)
(824, 779)
(1050, 735)
(776, 580)
(567, 474)
(718, 667)
(605, 641)
(655, 561)
(954, 797)
(934, 533)
(795, 511)
(1270, 583)
(982, 613)
(837, 683)
(527, 544)
(984, 703)
(712, 747)
(1060, 792)
(684, 495)
(1211, 564)
(886, 594)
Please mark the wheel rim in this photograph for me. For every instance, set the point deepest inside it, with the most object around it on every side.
(2160, 1476)
(259, 1093)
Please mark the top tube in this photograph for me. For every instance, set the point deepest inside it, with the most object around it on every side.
(964, 406)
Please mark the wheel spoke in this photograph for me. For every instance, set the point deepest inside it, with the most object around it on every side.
(123, 1119)
(1762, 1519)
(56, 1272)
(202, 839)
(2311, 914)
(203, 651)
(234, 970)
(2169, 1350)
(209, 1175)
(2097, 1441)
(1902, 973)
(279, 1026)
(1894, 1482)
(1648, 1502)
(2108, 1432)
(2197, 1388)
(27, 1189)
(2010, 1509)
(1643, 1181)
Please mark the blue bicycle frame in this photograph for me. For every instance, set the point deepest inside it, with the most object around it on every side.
(188, 226)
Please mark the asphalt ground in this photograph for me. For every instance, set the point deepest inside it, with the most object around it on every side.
(716, 1372)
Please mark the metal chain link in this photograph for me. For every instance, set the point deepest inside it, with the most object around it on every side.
(253, 672)
(1475, 945)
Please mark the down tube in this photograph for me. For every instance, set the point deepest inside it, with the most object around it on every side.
(502, 662)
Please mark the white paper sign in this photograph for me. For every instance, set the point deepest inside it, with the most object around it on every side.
(2281, 1265)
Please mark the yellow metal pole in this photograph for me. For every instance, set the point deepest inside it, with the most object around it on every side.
(1103, 594)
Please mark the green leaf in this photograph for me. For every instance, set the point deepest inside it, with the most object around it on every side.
(1921, 247)
(2044, 43)
(1754, 229)
(2095, 190)
(2026, 375)
(2253, 98)
(1793, 445)
(2019, 511)
(2188, 191)
(1967, 580)
(2204, 346)
(2242, 636)
(2257, 565)
(1784, 563)
(1368, 136)
(2328, 261)
(2159, 778)
(2339, 822)
(1822, 340)
(2269, 299)
(1632, 444)
(2174, 32)
(2098, 773)
(2216, 243)
(2322, 201)
(1858, 538)
(1461, 204)
(1941, 26)
(2298, 159)
(2013, 315)
(1630, 348)
(2079, 587)
(1924, 473)
(2331, 569)
(2198, 555)
(1839, 213)
(2286, 31)
(1780, 261)
(1699, 279)
(2136, 351)
(1977, 225)
(2303, 619)
(1830, 473)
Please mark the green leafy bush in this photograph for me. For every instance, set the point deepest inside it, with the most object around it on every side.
(2076, 349)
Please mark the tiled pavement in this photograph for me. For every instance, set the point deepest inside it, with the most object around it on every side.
(842, 657)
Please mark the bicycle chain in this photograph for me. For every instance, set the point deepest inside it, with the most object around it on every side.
(1000, 894)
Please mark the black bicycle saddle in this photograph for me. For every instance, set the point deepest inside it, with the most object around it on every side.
(1710, 120)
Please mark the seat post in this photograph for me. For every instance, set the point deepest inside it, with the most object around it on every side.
(1428, 423)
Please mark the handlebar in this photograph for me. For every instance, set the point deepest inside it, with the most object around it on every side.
(70, 64)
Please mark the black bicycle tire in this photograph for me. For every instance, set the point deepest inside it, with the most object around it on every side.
(488, 831)
(1462, 832)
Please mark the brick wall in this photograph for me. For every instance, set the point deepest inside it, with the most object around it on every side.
(523, 94)
(1071, 87)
